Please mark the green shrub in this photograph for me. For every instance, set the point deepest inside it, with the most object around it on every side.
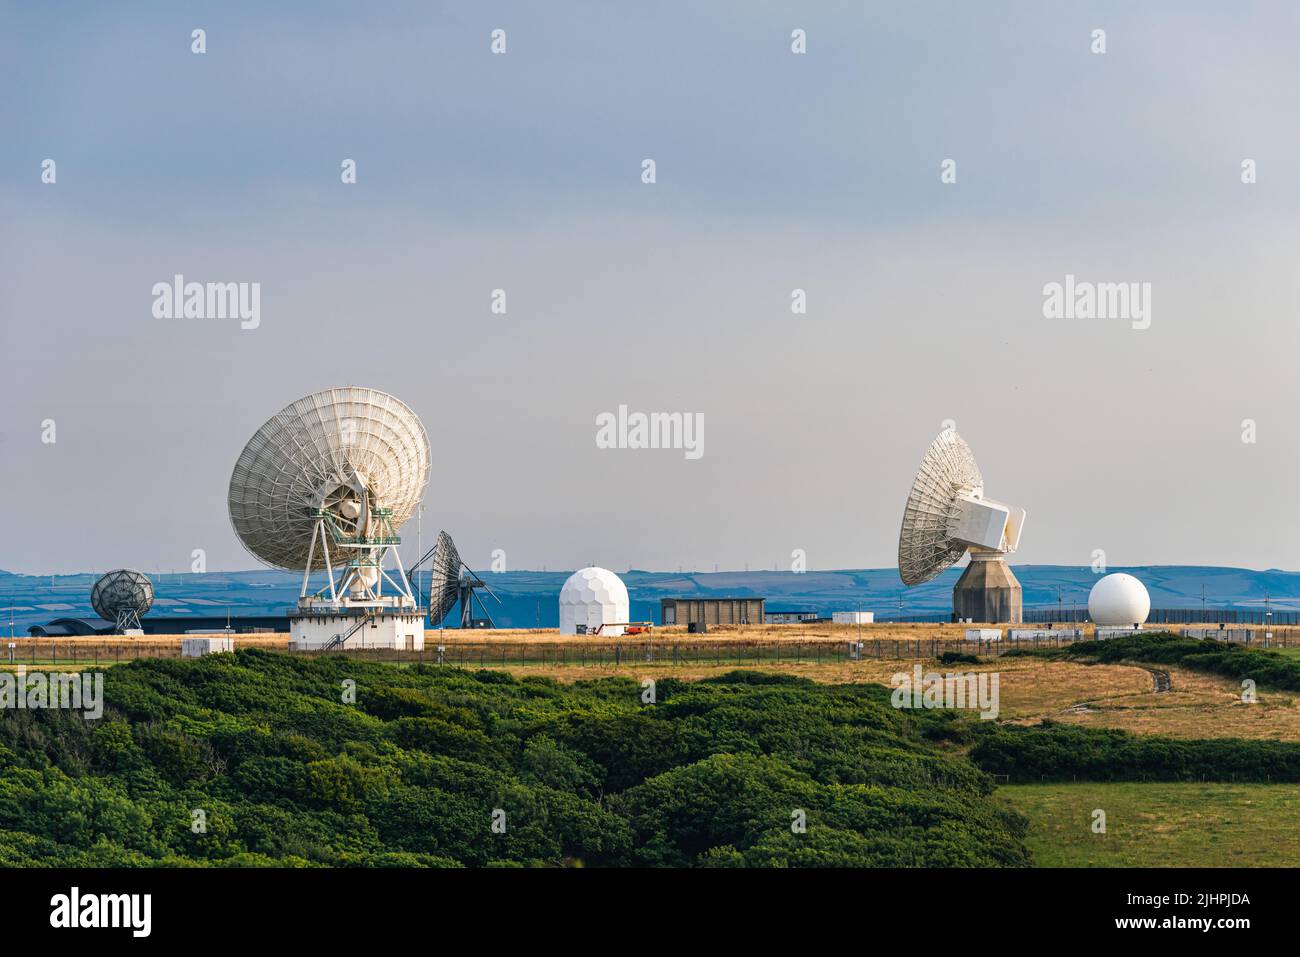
(958, 658)
(285, 772)
(1060, 752)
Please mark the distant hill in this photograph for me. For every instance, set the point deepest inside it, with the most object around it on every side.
(529, 599)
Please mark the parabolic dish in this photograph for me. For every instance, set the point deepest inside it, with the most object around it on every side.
(310, 453)
(444, 579)
(925, 543)
(121, 590)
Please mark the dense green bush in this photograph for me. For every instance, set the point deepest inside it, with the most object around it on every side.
(1060, 752)
(284, 769)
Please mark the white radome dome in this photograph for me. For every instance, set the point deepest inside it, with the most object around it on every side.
(1119, 599)
(593, 597)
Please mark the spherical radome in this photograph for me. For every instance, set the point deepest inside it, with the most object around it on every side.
(1119, 599)
(121, 590)
(593, 597)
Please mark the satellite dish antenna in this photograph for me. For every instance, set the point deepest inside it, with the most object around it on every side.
(452, 581)
(122, 596)
(947, 516)
(325, 484)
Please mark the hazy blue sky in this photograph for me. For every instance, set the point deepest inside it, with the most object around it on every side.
(775, 172)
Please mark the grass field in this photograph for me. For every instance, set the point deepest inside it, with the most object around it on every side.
(1160, 824)
(1031, 689)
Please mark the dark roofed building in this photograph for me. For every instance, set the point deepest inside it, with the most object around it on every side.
(71, 628)
(158, 625)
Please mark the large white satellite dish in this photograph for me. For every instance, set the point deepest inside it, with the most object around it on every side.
(325, 484)
(946, 516)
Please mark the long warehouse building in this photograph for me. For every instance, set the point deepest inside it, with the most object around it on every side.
(712, 611)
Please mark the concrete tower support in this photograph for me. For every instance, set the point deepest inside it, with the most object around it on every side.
(988, 591)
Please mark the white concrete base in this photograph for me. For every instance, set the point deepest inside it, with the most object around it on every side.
(198, 647)
(1224, 634)
(1029, 634)
(403, 630)
(1101, 632)
(853, 617)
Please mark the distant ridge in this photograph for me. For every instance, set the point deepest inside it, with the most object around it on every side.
(529, 598)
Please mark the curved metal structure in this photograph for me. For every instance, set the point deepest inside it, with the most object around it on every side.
(946, 516)
(444, 579)
(326, 484)
(447, 585)
(122, 596)
(356, 458)
(925, 543)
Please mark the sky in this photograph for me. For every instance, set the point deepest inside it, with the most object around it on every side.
(774, 171)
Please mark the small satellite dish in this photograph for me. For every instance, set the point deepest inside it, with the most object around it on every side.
(122, 596)
(451, 581)
(946, 516)
(324, 485)
(444, 579)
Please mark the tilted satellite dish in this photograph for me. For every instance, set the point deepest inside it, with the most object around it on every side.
(122, 596)
(448, 585)
(324, 485)
(444, 579)
(946, 516)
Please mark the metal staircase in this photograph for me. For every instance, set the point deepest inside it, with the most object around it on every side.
(338, 640)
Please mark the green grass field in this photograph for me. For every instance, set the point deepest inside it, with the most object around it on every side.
(1160, 824)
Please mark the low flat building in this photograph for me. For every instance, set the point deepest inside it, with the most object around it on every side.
(198, 647)
(712, 611)
(789, 617)
(853, 617)
(1223, 634)
(1034, 634)
(160, 625)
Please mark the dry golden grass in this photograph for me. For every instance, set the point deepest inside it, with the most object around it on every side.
(819, 631)
(1105, 696)
(1029, 689)
(145, 643)
(1197, 706)
(747, 635)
